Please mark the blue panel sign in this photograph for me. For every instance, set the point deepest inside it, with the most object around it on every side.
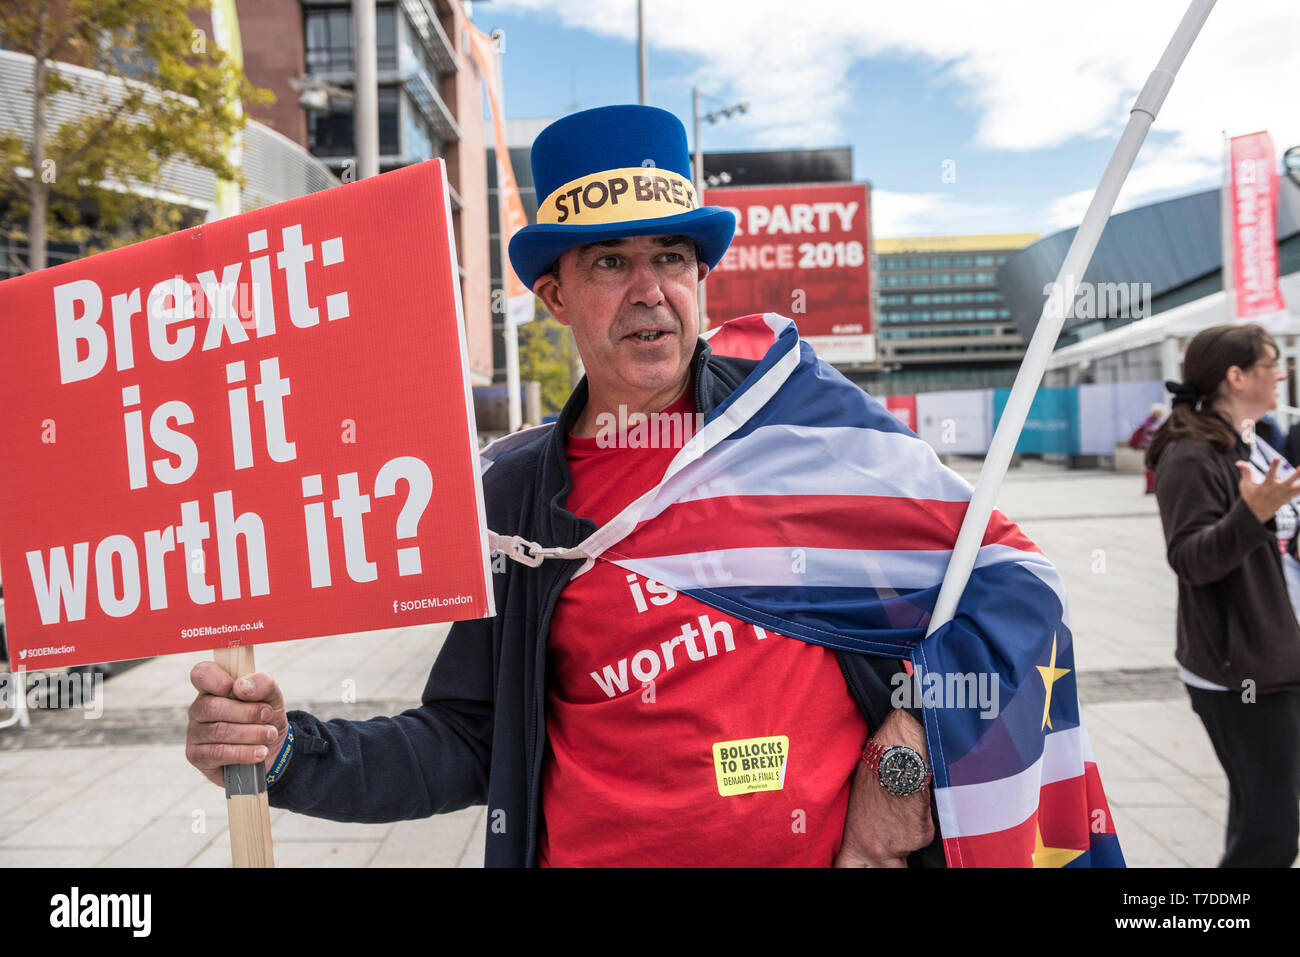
(1053, 421)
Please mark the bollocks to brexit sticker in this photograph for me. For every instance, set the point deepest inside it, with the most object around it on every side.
(750, 764)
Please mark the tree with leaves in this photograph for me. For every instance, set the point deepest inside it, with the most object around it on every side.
(172, 103)
(548, 355)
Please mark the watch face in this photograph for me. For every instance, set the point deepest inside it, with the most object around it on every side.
(903, 771)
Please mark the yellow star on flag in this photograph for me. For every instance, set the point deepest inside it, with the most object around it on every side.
(1051, 856)
(1050, 674)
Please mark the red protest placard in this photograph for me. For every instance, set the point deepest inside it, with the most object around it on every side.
(800, 251)
(253, 430)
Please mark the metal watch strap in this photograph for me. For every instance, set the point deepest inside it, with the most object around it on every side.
(872, 754)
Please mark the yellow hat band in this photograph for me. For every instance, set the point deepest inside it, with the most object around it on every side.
(619, 196)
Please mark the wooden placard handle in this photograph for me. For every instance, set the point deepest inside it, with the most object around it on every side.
(246, 805)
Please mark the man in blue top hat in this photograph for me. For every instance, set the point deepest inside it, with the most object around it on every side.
(619, 197)
(531, 712)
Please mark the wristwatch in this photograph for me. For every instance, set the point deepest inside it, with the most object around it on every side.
(902, 771)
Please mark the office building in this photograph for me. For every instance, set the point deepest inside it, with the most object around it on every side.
(942, 320)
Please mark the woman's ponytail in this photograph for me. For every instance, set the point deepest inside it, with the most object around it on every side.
(1210, 354)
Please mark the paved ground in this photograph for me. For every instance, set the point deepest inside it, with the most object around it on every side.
(116, 791)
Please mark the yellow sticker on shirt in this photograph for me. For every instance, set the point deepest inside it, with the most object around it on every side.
(750, 764)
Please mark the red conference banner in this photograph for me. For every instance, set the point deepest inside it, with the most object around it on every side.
(1254, 227)
(801, 251)
(249, 431)
(519, 299)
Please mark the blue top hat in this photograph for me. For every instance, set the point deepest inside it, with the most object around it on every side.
(610, 172)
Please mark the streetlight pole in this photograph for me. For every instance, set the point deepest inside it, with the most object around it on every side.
(640, 51)
(1291, 163)
(697, 162)
(1225, 233)
(697, 177)
(697, 166)
(366, 117)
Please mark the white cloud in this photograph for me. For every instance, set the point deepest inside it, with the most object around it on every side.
(928, 214)
(1035, 75)
(1066, 212)
(1167, 170)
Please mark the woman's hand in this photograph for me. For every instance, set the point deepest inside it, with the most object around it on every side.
(1266, 497)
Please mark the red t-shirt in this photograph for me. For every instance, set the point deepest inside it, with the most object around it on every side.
(657, 704)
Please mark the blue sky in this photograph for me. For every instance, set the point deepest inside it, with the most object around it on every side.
(1026, 97)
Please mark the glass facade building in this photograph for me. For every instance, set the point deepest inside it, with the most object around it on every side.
(413, 56)
(941, 321)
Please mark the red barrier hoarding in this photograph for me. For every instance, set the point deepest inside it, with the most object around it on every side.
(802, 251)
(249, 431)
(903, 408)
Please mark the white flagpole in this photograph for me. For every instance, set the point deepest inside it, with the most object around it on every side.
(984, 497)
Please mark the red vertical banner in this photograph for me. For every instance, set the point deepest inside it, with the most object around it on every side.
(249, 431)
(1253, 172)
(519, 300)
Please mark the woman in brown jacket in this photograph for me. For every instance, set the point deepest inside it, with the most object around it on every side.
(1226, 505)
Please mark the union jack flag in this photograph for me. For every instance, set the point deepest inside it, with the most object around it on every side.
(804, 507)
